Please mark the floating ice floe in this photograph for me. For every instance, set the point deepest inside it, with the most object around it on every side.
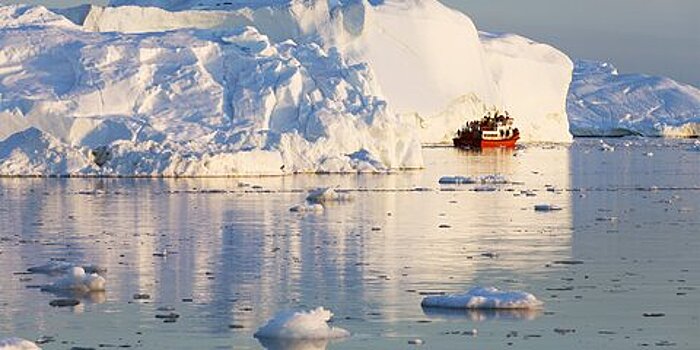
(307, 208)
(494, 179)
(484, 298)
(491, 179)
(547, 207)
(17, 344)
(456, 180)
(301, 325)
(77, 281)
(695, 147)
(327, 195)
(606, 147)
(294, 344)
(485, 188)
(63, 267)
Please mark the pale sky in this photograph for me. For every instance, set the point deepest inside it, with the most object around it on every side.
(660, 37)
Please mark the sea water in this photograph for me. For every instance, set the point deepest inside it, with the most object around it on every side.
(617, 267)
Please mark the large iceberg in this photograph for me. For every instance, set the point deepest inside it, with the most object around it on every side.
(203, 88)
(603, 102)
(185, 103)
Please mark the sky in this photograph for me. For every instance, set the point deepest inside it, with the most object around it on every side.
(658, 37)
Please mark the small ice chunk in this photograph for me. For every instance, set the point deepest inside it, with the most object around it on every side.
(606, 147)
(485, 188)
(17, 344)
(301, 325)
(484, 298)
(473, 332)
(327, 194)
(547, 207)
(491, 179)
(456, 180)
(77, 281)
(307, 208)
(63, 267)
(695, 147)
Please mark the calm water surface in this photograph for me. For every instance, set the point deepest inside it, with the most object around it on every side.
(630, 216)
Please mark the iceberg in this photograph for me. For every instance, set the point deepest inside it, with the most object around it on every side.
(406, 45)
(185, 103)
(603, 102)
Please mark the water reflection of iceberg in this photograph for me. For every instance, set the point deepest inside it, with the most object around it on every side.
(89, 297)
(295, 344)
(480, 315)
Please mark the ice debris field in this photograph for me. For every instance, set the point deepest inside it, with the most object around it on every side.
(198, 88)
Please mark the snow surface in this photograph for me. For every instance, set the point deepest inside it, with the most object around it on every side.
(311, 324)
(484, 298)
(17, 344)
(78, 281)
(603, 102)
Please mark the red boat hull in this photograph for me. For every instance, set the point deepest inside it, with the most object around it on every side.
(467, 141)
(507, 143)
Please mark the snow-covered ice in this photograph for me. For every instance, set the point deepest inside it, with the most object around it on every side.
(603, 102)
(484, 298)
(311, 324)
(77, 281)
(17, 344)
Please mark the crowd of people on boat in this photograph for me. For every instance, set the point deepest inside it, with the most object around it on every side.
(489, 122)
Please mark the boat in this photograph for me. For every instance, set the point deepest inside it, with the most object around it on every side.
(493, 130)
